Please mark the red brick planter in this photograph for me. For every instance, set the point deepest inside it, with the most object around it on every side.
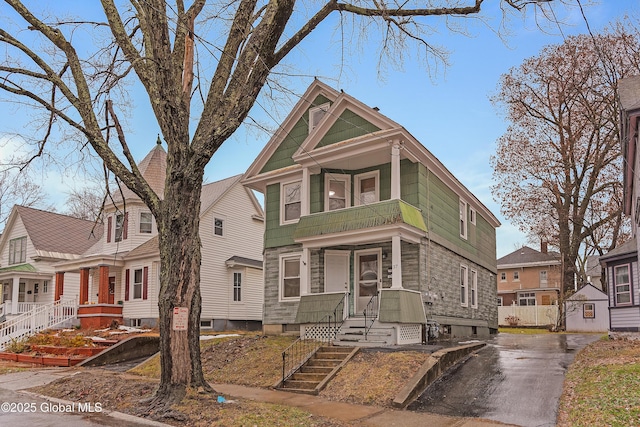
(69, 351)
(29, 358)
(95, 316)
(13, 357)
(55, 361)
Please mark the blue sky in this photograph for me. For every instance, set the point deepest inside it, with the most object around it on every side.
(448, 110)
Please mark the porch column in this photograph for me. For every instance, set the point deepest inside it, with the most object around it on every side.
(396, 262)
(305, 272)
(84, 286)
(395, 169)
(103, 288)
(59, 285)
(304, 192)
(15, 288)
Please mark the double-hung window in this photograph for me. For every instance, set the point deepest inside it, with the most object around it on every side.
(137, 284)
(218, 227)
(473, 289)
(18, 250)
(237, 286)
(290, 276)
(367, 188)
(146, 221)
(464, 278)
(337, 191)
(291, 201)
(622, 280)
(119, 227)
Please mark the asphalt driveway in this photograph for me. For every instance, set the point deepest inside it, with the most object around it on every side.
(515, 379)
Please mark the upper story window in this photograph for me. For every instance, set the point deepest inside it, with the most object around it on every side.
(622, 282)
(316, 114)
(218, 227)
(119, 228)
(146, 220)
(337, 188)
(516, 275)
(367, 188)
(472, 216)
(463, 219)
(18, 250)
(543, 277)
(503, 276)
(291, 205)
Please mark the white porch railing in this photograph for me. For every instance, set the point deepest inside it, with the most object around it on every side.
(530, 315)
(41, 317)
(24, 307)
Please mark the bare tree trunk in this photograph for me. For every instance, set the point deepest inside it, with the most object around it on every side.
(180, 255)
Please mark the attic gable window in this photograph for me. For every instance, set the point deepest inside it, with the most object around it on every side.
(316, 114)
(18, 250)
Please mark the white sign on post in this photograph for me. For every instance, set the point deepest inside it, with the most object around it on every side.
(180, 318)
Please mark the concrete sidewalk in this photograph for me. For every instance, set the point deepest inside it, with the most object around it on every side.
(356, 414)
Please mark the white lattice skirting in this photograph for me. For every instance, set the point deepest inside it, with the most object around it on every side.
(320, 332)
(409, 334)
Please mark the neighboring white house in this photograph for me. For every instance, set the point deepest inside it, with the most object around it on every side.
(587, 310)
(113, 271)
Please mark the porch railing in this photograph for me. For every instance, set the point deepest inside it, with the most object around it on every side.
(24, 307)
(371, 313)
(41, 317)
(302, 349)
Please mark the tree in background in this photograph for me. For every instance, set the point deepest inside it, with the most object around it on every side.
(202, 65)
(557, 167)
(17, 189)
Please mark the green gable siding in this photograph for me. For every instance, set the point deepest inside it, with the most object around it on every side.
(282, 157)
(275, 235)
(349, 125)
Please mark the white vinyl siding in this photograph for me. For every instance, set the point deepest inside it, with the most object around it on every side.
(243, 237)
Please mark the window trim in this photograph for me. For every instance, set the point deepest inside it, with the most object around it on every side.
(516, 276)
(22, 253)
(150, 222)
(546, 277)
(313, 123)
(503, 276)
(464, 285)
(357, 181)
(223, 220)
(284, 221)
(134, 283)
(592, 310)
(472, 215)
(281, 278)
(629, 284)
(473, 287)
(462, 207)
(236, 286)
(346, 179)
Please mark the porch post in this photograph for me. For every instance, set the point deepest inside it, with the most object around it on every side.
(103, 288)
(396, 262)
(305, 269)
(304, 192)
(395, 170)
(59, 285)
(84, 286)
(15, 288)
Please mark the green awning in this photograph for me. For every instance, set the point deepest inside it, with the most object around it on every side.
(359, 218)
(21, 268)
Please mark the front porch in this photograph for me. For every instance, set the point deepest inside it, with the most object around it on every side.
(391, 317)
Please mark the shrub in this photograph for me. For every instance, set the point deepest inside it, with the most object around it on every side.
(512, 320)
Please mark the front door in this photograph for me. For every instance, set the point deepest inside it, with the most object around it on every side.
(336, 271)
(368, 277)
(112, 290)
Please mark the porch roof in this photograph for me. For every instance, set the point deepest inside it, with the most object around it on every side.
(21, 268)
(360, 217)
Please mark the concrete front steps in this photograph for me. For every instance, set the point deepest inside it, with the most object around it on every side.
(314, 375)
(352, 333)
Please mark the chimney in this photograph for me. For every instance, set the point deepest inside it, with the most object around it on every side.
(543, 246)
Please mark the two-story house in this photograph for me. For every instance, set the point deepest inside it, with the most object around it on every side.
(529, 277)
(360, 216)
(113, 271)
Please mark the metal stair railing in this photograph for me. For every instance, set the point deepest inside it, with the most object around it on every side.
(302, 349)
(371, 313)
(38, 319)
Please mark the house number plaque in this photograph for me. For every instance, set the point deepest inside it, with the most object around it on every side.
(180, 318)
